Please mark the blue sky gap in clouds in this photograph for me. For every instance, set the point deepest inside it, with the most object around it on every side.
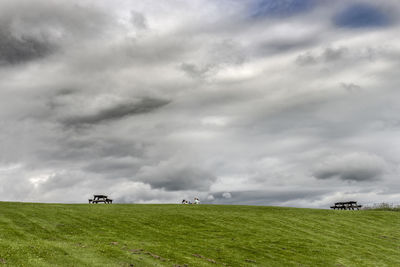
(362, 15)
(274, 8)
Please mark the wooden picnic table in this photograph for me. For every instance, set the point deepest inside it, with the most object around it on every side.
(349, 205)
(100, 198)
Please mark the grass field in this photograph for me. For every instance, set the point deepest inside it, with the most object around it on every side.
(195, 235)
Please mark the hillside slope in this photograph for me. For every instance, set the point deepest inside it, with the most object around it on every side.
(195, 235)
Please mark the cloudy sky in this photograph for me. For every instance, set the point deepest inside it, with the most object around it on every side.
(265, 102)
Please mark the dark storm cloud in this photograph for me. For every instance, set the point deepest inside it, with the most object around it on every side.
(145, 105)
(172, 176)
(359, 174)
(362, 15)
(285, 45)
(352, 167)
(102, 151)
(15, 50)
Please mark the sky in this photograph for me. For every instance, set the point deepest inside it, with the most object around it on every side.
(255, 102)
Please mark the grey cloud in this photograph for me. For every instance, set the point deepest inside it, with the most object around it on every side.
(197, 72)
(144, 194)
(332, 54)
(329, 54)
(32, 30)
(65, 91)
(227, 51)
(63, 180)
(145, 105)
(56, 98)
(351, 87)
(352, 167)
(265, 197)
(306, 59)
(120, 147)
(340, 54)
(143, 53)
(53, 20)
(120, 167)
(138, 20)
(14, 183)
(218, 55)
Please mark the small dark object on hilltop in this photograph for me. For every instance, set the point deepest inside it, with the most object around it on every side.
(100, 198)
(349, 205)
(196, 201)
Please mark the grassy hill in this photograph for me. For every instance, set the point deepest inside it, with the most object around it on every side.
(195, 235)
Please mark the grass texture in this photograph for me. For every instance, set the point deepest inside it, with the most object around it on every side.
(33, 234)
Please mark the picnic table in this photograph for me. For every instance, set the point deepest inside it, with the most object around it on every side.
(349, 205)
(100, 198)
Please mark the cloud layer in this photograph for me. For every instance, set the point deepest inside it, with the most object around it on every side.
(264, 102)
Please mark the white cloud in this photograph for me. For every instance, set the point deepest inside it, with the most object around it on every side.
(226, 195)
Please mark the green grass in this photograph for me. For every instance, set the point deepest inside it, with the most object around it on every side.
(196, 235)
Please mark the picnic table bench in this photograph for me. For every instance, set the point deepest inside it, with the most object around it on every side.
(100, 198)
(349, 205)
